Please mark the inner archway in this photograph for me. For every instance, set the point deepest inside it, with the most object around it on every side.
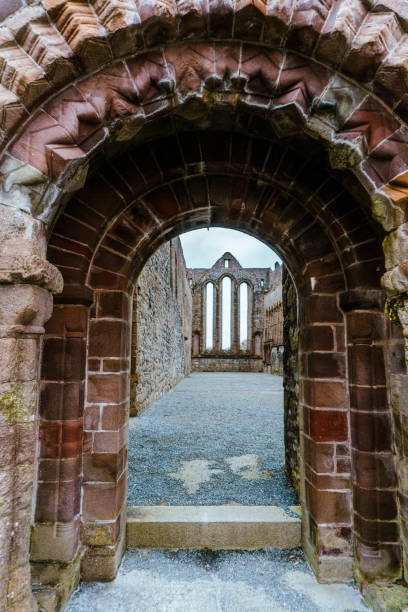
(217, 438)
(331, 248)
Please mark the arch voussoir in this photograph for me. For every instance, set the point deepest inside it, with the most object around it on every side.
(114, 104)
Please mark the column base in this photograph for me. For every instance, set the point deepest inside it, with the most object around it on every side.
(54, 582)
(101, 563)
(328, 568)
(386, 598)
(381, 562)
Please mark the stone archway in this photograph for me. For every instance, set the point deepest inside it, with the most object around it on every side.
(334, 289)
(284, 98)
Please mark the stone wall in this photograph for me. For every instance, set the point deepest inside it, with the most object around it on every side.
(226, 363)
(273, 330)
(291, 378)
(161, 334)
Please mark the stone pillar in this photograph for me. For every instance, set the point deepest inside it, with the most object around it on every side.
(56, 547)
(217, 317)
(106, 435)
(325, 489)
(26, 283)
(375, 507)
(399, 391)
(196, 344)
(235, 318)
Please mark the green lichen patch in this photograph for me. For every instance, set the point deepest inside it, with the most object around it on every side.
(386, 598)
(393, 305)
(11, 407)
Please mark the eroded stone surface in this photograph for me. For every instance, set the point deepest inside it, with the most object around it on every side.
(206, 580)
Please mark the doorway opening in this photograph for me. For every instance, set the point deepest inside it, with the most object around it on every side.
(208, 424)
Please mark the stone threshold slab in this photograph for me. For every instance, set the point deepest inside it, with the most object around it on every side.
(227, 527)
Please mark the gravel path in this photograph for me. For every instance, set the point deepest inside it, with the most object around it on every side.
(205, 581)
(216, 438)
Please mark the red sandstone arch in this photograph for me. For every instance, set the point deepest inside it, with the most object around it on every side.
(121, 104)
(101, 241)
(83, 81)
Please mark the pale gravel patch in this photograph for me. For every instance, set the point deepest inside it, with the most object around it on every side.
(216, 581)
(194, 473)
(242, 461)
(327, 597)
(251, 462)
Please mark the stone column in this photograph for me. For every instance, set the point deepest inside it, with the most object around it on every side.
(106, 419)
(55, 543)
(26, 283)
(235, 318)
(399, 394)
(375, 508)
(325, 490)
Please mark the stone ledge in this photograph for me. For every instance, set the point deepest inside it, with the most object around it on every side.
(213, 527)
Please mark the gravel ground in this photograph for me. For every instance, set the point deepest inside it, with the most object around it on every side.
(206, 581)
(216, 438)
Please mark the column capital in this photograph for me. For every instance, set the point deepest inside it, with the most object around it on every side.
(32, 269)
(23, 252)
(362, 299)
(24, 309)
(82, 295)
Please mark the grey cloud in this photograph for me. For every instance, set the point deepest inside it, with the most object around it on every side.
(203, 247)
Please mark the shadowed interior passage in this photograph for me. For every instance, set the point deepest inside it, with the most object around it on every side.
(216, 438)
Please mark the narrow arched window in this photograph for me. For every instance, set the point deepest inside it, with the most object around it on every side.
(209, 316)
(226, 286)
(243, 316)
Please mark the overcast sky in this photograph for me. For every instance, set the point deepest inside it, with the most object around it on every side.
(203, 247)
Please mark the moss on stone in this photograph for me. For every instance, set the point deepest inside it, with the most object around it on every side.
(393, 305)
(386, 598)
(11, 407)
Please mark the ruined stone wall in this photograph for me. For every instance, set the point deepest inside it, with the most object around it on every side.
(239, 358)
(273, 329)
(291, 378)
(222, 363)
(161, 334)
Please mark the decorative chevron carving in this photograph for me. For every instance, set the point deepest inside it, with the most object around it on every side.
(77, 22)
(18, 71)
(116, 14)
(55, 43)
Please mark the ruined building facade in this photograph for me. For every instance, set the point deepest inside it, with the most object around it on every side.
(125, 123)
(169, 322)
(235, 342)
(273, 324)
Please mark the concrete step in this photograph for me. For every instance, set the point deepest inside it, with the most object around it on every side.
(213, 527)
